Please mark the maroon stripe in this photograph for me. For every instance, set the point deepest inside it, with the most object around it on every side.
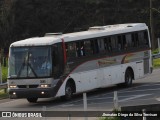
(105, 57)
(64, 78)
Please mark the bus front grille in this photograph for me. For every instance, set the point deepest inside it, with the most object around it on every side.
(27, 86)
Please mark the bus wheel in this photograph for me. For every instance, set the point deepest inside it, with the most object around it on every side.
(128, 78)
(68, 92)
(32, 100)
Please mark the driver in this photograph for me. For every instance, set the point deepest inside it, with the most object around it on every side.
(46, 64)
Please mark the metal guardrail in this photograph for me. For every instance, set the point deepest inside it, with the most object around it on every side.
(155, 56)
(3, 85)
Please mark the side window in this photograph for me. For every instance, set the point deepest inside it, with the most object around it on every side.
(82, 50)
(57, 60)
(114, 43)
(141, 38)
(107, 44)
(146, 40)
(101, 45)
(120, 43)
(128, 41)
(133, 40)
(124, 45)
(94, 46)
(136, 40)
(78, 49)
(88, 48)
(81, 47)
(71, 50)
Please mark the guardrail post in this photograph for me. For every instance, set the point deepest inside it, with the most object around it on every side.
(115, 100)
(69, 117)
(85, 105)
(144, 117)
(5, 90)
(44, 110)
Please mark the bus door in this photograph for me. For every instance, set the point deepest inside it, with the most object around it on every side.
(139, 66)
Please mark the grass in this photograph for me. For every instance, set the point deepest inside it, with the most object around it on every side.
(3, 94)
(4, 74)
(156, 63)
(156, 51)
(109, 118)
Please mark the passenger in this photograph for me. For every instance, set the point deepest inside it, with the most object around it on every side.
(119, 47)
(125, 46)
(46, 64)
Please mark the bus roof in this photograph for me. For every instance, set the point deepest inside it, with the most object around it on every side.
(92, 32)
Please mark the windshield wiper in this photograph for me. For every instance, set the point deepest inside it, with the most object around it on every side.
(28, 65)
(32, 70)
(20, 70)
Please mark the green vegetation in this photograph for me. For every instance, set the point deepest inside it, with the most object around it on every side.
(3, 94)
(17, 16)
(4, 74)
(109, 118)
(156, 63)
(155, 51)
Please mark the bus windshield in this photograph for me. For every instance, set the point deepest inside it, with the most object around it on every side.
(30, 62)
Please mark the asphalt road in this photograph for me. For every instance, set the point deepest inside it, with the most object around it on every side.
(144, 91)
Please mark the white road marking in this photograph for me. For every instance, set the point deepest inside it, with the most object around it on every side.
(69, 105)
(139, 90)
(128, 96)
(134, 97)
(125, 90)
(122, 100)
(120, 91)
(112, 102)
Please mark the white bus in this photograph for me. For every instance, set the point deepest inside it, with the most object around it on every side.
(60, 65)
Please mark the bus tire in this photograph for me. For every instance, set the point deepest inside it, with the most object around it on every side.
(128, 78)
(68, 92)
(32, 100)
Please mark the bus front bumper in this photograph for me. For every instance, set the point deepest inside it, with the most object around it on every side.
(32, 93)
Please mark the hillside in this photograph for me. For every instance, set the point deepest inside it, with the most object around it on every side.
(21, 19)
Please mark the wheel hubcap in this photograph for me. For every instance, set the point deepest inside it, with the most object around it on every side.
(129, 79)
(68, 91)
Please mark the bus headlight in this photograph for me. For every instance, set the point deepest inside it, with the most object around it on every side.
(12, 86)
(45, 85)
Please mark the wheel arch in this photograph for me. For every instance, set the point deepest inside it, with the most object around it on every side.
(72, 83)
(131, 70)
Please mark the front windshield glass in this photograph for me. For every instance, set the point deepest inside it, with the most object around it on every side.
(30, 62)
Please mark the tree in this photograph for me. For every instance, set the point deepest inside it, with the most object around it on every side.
(6, 23)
